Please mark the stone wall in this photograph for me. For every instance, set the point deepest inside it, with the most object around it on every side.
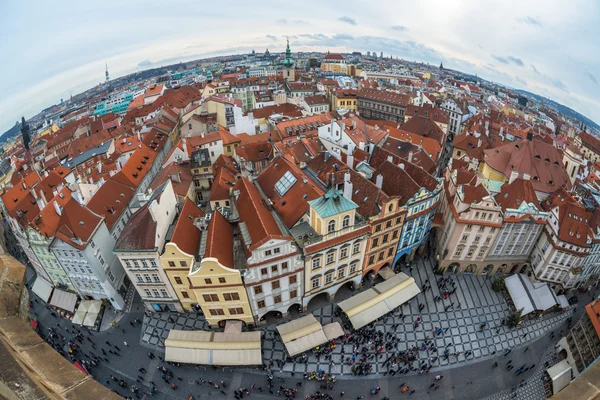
(31, 369)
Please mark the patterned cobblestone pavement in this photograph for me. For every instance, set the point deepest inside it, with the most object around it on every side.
(474, 303)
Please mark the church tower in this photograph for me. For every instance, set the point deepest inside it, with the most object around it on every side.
(106, 73)
(289, 70)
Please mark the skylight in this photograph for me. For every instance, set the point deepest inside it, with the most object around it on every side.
(285, 183)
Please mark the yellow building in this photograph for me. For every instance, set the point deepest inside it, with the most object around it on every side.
(335, 63)
(50, 129)
(343, 98)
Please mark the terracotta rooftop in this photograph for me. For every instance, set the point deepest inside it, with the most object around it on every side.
(384, 96)
(253, 212)
(287, 109)
(185, 235)
(289, 202)
(219, 242)
(77, 224)
(316, 100)
(180, 176)
(540, 160)
(110, 200)
(425, 127)
(333, 56)
(140, 232)
(514, 194)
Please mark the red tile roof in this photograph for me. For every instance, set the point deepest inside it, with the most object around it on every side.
(139, 233)
(540, 160)
(259, 221)
(180, 176)
(333, 56)
(287, 109)
(514, 194)
(185, 235)
(136, 167)
(316, 100)
(425, 127)
(219, 242)
(110, 200)
(384, 96)
(293, 204)
(47, 221)
(77, 224)
(223, 182)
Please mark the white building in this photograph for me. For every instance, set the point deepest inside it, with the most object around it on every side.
(141, 244)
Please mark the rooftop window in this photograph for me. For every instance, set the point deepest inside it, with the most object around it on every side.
(285, 183)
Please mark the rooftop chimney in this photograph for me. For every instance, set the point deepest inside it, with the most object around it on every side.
(479, 142)
(57, 208)
(513, 176)
(410, 156)
(348, 187)
(379, 181)
(350, 161)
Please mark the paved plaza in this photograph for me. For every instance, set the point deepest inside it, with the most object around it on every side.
(474, 303)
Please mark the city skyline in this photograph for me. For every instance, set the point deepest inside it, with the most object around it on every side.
(538, 47)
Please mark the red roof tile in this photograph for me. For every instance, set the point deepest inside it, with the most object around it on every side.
(185, 235)
(219, 242)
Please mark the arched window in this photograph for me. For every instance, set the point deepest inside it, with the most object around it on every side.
(346, 221)
(331, 226)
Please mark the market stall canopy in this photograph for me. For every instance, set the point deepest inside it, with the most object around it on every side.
(562, 301)
(84, 305)
(42, 289)
(213, 348)
(94, 306)
(530, 296)
(63, 300)
(79, 316)
(306, 333)
(382, 298)
(90, 319)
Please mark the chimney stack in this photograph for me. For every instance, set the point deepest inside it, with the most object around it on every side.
(348, 187)
(379, 181)
(410, 156)
(350, 161)
(513, 176)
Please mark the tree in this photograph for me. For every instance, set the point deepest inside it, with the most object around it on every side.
(498, 285)
(514, 319)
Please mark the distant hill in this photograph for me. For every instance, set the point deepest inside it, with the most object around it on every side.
(564, 110)
(11, 133)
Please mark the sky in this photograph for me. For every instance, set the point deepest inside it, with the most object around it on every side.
(51, 50)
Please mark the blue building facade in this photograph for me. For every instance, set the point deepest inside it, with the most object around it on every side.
(420, 211)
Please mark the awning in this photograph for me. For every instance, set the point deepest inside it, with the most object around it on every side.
(213, 348)
(84, 305)
(63, 300)
(562, 301)
(530, 296)
(79, 316)
(95, 306)
(42, 289)
(90, 319)
(386, 273)
(333, 330)
(80, 367)
(374, 303)
(560, 375)
(306, 333)
(233, 326)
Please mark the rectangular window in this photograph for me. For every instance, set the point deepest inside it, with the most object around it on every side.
(353, 268)
(328, 278)
(208, 281)
(184, 294)
(284, 266)
(385, 238)
(260, 304)
(231, 296)
(183, 263)
(371, 260)
(178, 280)
(274, 269)
(210, 297)
(217, 311)
(375, 242)
(293, 293)
(293, 279)
(264, 271)
(381, 255)
(344, 253)
(330, 257)
(390, 252)
(258, 290)
(155, 278)
(277, 299)
(236, 311)
(356, 248)
(276, 250)
(275, 285)
(315, 283)
(171, 263)
(395, 235)
(378, 228)
(316, 263)
(268, 253)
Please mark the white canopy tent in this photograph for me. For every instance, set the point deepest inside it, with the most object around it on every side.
(79, 317)
(560, 374)
(213, 348)
(42, 289)
(95, 306)
(374, 303)
(90, 319)
(528, 295)
(306, 333)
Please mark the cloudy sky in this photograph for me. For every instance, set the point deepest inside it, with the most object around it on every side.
(53, 49)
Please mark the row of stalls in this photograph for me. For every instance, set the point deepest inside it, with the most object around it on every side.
(535, 298)
(374, 303)
(231, 347)
(87, 312)
(236, 348)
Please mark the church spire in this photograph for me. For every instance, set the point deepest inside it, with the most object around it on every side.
(106, 73)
